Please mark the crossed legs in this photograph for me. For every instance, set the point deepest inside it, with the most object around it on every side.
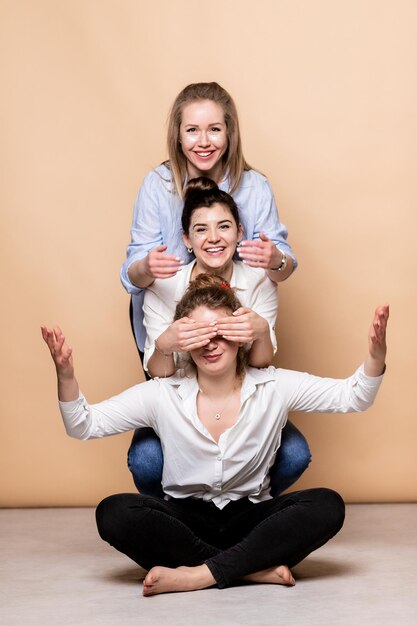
(191, 544)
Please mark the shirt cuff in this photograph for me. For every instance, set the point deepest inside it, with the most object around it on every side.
(370, 381)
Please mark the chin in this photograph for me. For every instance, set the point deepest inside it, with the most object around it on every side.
(221, 265)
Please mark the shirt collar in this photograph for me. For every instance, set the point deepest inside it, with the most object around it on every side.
(187, 386)
(239, 279)
(253, 378)
(183, 279)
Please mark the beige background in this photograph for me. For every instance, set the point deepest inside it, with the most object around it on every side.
(326, 92)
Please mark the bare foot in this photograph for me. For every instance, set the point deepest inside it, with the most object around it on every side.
(280, 575)
(166, 579)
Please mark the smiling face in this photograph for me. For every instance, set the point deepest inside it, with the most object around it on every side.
(213, 235)
(203, 137)
(217, 358)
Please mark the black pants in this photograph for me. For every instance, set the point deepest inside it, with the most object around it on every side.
(240, 539)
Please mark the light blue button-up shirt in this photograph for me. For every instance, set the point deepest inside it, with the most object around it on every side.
(157, 221)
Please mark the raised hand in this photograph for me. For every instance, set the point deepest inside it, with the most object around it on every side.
(377, 345)
(61, 353)
(377, 333)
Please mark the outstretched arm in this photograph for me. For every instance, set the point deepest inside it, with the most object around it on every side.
(307, 393)
(374, 364)
(61, 354)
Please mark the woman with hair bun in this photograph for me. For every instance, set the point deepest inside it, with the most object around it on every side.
(220, 425)
(203, 139)
(211, 231)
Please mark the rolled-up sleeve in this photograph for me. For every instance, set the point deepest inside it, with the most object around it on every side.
(267, 221)
(146, 231)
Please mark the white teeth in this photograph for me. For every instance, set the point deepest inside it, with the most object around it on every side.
(214, 249)
(204, 154)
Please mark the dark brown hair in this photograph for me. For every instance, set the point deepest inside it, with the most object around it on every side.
(203, 192)
(214, 292)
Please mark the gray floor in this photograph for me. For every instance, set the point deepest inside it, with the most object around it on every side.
(55, 570)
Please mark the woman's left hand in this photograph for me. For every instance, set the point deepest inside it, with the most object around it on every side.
(377, 333)
(244, 325)
(260, 252)
(374, 364)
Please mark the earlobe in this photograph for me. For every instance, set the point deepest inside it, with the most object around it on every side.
(187, 242)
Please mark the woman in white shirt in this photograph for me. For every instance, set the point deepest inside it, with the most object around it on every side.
(219, 523)
(212, 232)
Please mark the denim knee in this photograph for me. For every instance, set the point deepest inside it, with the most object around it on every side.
(145, 461)
(293, 458)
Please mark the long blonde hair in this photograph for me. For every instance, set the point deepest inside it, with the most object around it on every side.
(234, 163)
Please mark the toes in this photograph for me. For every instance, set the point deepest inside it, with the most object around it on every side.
(151, 578)
(148, 591)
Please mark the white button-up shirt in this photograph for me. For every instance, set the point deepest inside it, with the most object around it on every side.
(195, 465)
(251, 284)
(157, 221)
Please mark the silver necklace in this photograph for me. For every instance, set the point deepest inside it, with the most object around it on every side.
(218, 414)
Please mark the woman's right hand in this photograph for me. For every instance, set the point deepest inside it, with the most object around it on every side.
(159, 264)
(185, 335)
(156, 264)
(61, 353)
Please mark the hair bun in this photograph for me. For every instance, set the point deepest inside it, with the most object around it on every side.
(201, 183)
(203, 281)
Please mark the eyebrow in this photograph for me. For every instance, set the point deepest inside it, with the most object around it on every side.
(205, 223)
(210, 124)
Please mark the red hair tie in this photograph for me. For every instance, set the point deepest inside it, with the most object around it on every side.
(224, 285)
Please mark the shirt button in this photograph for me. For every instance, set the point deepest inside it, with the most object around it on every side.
(219, 458)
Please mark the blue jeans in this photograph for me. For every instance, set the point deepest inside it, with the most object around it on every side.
(145, 461)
